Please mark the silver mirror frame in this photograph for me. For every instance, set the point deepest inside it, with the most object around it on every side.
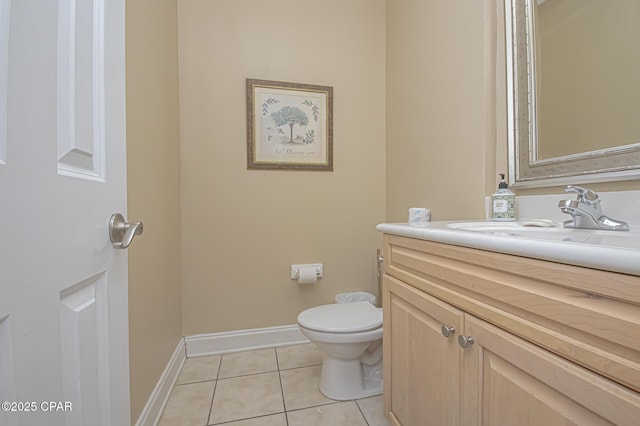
(525, 169)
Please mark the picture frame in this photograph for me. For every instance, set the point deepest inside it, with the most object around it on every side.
(289, 126)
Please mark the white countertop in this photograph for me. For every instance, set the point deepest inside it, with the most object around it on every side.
(617, 251)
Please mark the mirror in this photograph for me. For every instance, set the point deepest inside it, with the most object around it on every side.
(573, 77)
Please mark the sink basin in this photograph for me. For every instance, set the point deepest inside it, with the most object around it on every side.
(552, 233)
(500, 227)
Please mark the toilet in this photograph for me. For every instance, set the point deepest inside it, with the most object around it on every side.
(350, 338)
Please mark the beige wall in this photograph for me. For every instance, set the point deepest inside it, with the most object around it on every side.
(242, 229)
(153, 157)
(440, 117)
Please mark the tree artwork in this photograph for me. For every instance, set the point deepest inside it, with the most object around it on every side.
(289, 126)
(290, 116)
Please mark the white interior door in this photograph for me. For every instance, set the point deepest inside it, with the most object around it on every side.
(63, 287)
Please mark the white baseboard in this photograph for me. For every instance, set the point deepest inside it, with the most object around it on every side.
(243, 340)
(155, 405)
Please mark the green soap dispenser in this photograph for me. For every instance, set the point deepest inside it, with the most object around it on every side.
(503, 203)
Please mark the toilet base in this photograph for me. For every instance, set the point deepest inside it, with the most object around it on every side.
(344, 380)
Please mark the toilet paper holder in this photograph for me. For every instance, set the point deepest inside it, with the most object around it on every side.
(295, 270)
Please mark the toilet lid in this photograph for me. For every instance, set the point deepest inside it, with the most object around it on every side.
(341, 317)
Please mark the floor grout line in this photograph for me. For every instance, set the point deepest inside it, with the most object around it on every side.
(214, 392)
(284, 401)
(361, 412)
(248, 418)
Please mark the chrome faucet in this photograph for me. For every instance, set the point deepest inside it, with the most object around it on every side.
(587, 213)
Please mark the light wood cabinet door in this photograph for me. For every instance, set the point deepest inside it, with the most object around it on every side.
(508, 381)
(422, 367)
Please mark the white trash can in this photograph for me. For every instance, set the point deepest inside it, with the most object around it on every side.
(358, 296)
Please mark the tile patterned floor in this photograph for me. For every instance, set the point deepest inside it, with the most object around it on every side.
(266, 387)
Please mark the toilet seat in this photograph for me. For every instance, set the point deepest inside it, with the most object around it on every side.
(341, 318)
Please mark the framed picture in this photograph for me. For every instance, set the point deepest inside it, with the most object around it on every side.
(289, 126)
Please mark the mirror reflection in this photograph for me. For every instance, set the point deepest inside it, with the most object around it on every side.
(588, 75)
(574, 90)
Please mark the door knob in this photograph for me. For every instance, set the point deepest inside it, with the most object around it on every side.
(121, 233)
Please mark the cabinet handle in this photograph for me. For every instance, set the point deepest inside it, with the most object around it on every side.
(447, 330)
(465, 341)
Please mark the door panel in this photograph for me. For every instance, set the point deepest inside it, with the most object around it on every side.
(63, 286)
(5, 7)
(85, 336)
(81, 88)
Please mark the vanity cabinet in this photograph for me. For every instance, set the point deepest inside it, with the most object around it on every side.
(546, 343)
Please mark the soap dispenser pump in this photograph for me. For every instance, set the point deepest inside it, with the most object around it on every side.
(503, 203)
